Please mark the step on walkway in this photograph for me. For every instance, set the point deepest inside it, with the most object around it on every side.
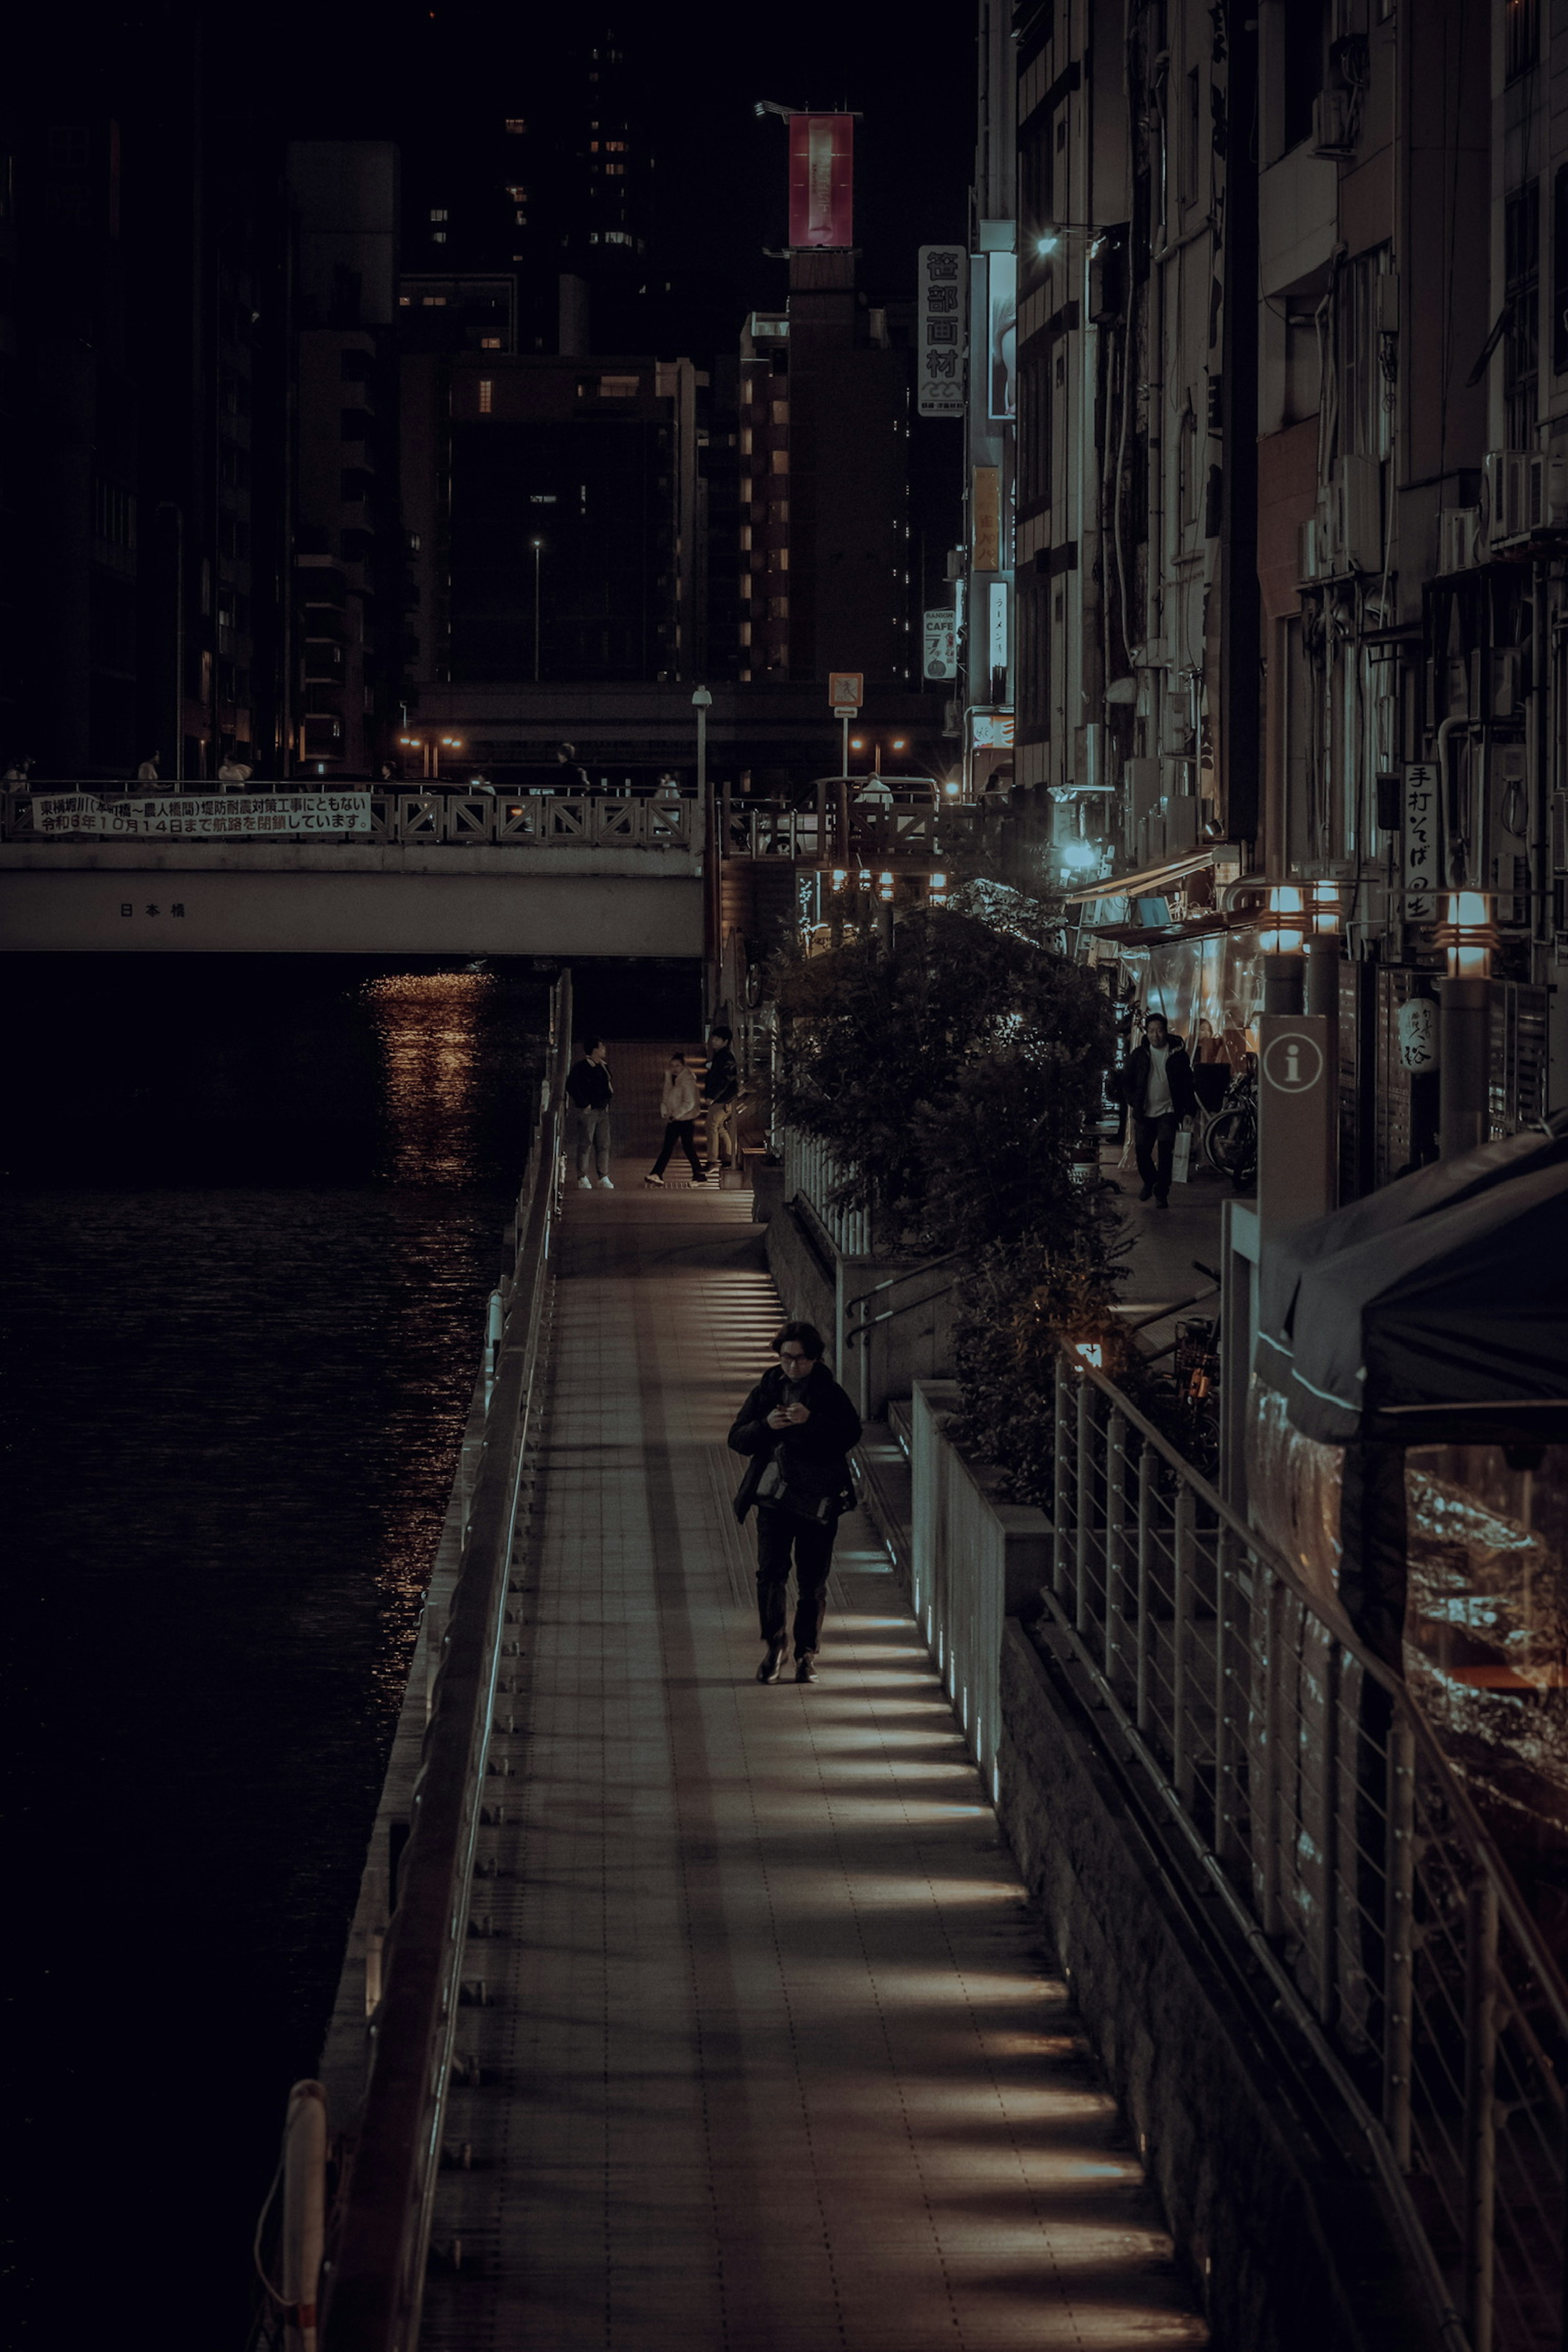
(769, 2059)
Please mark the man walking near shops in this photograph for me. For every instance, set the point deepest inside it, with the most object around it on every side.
(1158, 1085)
(797, 1425)
(589, 1092)
(720, 1092)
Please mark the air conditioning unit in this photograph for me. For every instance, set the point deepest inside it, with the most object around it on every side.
(1546, 494)
(1332, 124)
(1357, 493)
(1458, 536)
(1505, 496)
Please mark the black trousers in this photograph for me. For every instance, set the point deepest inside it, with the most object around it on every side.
(781, 1534)
(678, 1135)
(1153, 1140)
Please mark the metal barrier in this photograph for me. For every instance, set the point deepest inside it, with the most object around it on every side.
(530, 820)
(812, 1174)
(1329, 1819)
(379, 2232)
(872, 835)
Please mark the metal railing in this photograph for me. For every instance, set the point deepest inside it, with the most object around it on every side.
(1329, 1819)
(525, 820)
(379, 2232)
(865, 835)
(812, 1174)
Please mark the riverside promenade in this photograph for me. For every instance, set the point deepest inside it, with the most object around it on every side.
(769, 2056)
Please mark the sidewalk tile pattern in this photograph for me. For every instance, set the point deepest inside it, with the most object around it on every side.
(769, 2056)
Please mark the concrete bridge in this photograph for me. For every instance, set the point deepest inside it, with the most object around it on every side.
(265, 871)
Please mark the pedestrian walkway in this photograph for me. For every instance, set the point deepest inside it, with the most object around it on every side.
(769, 2057)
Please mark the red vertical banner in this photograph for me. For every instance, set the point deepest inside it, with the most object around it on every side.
(821, 179)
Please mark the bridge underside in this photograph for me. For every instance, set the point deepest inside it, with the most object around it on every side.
(316, 901)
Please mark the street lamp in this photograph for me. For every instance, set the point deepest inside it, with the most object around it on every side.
(1468, 934)
(1283, 941)
(538, 546)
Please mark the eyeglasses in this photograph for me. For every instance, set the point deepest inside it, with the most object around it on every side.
(794, 1356)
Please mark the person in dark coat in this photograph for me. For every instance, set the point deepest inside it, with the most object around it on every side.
(720, 1091)
(1157, 1086)
(797, 1425)
(590, 1093)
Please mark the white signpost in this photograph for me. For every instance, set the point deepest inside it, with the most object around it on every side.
(846, 692)
(943, 279)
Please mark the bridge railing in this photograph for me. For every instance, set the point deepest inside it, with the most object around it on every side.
(1324, 1814)
(527, 820)
(868, 836)
(378, 2235)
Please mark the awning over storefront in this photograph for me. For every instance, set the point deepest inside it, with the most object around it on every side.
(1153, 880)
(1434, 1311)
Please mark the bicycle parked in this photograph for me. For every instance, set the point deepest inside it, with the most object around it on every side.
(1230, 1139)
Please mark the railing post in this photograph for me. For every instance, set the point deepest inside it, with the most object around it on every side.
(1328, 1836)
(1083, 1532)
(1399, 1939)
(1226, 1828)
(1183, 1552)
(1147, 1461)
(1059, 1483)
(1480, 2108)
(1115, 1538)
(1266, 1814)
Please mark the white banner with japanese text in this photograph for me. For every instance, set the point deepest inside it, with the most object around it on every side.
(195, 816)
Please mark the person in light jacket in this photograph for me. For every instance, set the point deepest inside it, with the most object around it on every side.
(678, 1106)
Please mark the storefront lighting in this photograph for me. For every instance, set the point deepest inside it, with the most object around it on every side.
(1468, 932)
(839, 878)
(865, 877)
(952, 789)
(885, 885)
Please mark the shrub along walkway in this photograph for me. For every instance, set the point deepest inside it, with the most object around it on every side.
(770, 2056)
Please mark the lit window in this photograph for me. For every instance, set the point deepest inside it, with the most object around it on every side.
(487, 388)
(440, 214)
(617, 237)
(516, 125)
(593, 146)
(518, 194)
(781, 411)
(614, 170)
(490, 343)
(437, 236)
(402, 301)
(780, 461)
(522, 218)
(432, 302)
(615, 146)
(618, 387)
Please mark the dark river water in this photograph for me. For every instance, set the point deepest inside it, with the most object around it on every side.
(252, 1210)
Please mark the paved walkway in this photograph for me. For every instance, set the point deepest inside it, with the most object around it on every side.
(770, 2060)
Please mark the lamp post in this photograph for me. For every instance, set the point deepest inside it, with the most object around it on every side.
(1326, 902)
(712, 903)
(1469, 935)
(538, 546)
(1283, 941)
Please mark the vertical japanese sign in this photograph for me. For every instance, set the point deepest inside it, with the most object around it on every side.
(943, 277)
(1002, 332)
(940, 643)
(821, 179)
(986, 518)
(1423, 870)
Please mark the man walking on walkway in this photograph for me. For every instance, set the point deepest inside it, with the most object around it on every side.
(720, 1090)
(1158, 1085)
(797, 1425)
(589, 1092)
(677, 1109)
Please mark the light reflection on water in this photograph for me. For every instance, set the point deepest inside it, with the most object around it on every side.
(253, 1209)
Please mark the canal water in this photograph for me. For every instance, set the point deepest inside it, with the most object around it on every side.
(252, 1210)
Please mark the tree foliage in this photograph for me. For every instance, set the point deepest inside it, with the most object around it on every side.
(957, 1079)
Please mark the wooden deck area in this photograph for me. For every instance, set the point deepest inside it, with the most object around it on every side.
(769, 2058)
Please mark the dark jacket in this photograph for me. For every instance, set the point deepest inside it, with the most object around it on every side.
(588, 1085)
(721, 1082)
(1178, 1077)
(819, 1447)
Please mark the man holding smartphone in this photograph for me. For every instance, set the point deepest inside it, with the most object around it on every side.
(797, 1426)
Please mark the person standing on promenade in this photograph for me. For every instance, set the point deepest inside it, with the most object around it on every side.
(1159, 1093)
(677, 1109)
(797, 1425)
(720, 1092)
(590, 1092)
